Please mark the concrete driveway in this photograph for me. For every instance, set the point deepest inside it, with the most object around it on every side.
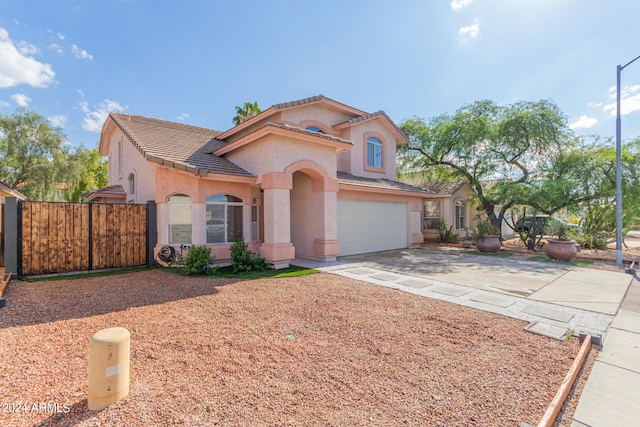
(582, 288)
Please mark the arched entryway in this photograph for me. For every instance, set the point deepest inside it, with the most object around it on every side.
(301, 210)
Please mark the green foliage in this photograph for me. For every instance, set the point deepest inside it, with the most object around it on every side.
(87, 170)
(446, 235)
(485, 228)
(198, 262)
(243, 260)
(592, 239)
(482, 141)
(245, 112)
(35, 160)
(33, 155)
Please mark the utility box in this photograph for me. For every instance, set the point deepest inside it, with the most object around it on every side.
(108, 367)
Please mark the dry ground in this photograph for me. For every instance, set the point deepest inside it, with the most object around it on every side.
(314, 350)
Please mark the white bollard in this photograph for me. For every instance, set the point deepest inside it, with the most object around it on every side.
(108, 367)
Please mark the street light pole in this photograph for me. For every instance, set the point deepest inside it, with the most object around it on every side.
(619, 165)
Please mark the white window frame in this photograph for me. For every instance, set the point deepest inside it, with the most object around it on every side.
(377, 152)
(211, 201)
(461, 215)
(431, 220)
(255, 223)
(171, 223)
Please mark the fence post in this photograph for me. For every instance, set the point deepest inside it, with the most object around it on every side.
(11, 236)
(152, 230)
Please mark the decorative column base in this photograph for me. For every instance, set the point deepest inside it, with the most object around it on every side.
(326, 250)
(278, 254)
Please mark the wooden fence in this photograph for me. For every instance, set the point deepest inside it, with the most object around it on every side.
(63, 237)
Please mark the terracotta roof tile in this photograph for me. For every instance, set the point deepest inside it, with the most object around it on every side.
(371, 116)
(387, 184)
(176, 145)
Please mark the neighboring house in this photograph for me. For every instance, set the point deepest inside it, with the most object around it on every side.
(449, 202)
(312, 178)
(5, 191)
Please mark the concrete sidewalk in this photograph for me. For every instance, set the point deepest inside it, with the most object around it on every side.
(554, 299)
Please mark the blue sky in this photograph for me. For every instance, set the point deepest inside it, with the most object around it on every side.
(194, 61)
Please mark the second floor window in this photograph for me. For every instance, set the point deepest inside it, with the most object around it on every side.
(374, 153)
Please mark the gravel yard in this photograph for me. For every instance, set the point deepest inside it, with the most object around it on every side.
(312, 350)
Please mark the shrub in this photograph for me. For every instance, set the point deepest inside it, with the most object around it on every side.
(199, 261)
(592, 240)
(242, 259)
(445, 235)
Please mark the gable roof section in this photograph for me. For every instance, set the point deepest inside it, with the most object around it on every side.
(435, 186)
(285, 130)
(381, 185)
(371, 116)
(291, 104)
(176, 145)
(12, 193)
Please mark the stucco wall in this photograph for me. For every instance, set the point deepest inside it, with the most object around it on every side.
(316, 112)
(132, 162)
(274, 154)
(358, 134)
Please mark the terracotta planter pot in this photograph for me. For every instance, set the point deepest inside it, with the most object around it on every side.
(561, 250)
(488, 243)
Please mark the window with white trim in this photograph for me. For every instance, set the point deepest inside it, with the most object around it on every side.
(224, 218)
(460, 216)
(179, 219)
(132, 184)
(255, 211)
(431, 214)
(374, 152)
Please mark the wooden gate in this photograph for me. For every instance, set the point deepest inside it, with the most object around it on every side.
(63, 237)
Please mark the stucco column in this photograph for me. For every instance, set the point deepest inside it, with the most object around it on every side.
(277, 248)
(327, 247)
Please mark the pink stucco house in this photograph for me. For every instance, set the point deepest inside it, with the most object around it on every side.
(312, 178)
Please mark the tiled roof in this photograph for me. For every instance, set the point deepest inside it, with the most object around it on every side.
(386, 184)
(436, 186)
(371, 116)
(113, 191)
(312, 99)
(308, 132)
(177, 145)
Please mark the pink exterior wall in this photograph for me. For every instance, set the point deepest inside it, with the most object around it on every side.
(358, 134)
(169, 182)
(132, 162)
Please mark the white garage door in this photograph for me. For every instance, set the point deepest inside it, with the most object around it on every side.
(371, 226)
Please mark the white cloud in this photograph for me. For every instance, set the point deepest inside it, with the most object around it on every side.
(459, 4)
(4, 104)
(629, 100)
(27, 48)
(56, 48)
(21, 99)
(61, 36)
(94, 119)
(182, 116)
(470, 31)
(595, 104)
(59, 120)
(81, 53)
(584, 122)
(19, 68)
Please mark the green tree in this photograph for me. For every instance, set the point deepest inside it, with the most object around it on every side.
(245, 112)
(496, 149)
(87, 170)
(33, 155)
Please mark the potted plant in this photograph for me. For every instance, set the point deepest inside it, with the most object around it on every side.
(488, 237)
(562, 248)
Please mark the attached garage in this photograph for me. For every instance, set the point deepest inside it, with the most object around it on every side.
(371, 226)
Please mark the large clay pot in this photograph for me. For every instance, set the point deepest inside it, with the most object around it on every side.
(561, 250)
(489, 243)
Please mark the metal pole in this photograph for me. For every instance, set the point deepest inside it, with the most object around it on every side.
(618, 173)
(619, 69)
